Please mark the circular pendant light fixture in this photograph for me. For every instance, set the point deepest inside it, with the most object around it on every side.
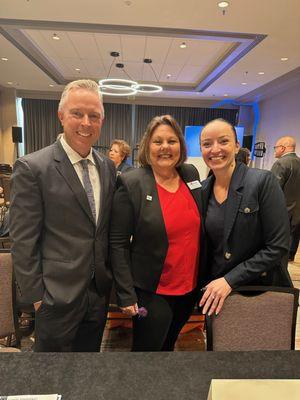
(126, 87)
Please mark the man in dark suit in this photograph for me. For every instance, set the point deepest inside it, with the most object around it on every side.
(287, 171)
(60, 206)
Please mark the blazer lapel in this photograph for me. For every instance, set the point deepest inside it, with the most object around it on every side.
(150, 194)
(206, 190)
(67, 171)
(103, 184)
(234, 198)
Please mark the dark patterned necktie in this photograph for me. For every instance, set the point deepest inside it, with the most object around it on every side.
(88, 186)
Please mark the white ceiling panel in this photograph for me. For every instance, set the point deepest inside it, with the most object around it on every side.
(142, 29)
(106, 44)
(133, 48)
(85, 45)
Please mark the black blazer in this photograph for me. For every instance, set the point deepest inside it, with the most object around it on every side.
(256, 230)
(138, 237)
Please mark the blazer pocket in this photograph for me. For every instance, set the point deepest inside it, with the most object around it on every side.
(249, 208)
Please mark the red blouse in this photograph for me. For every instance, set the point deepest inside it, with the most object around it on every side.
(182, 222)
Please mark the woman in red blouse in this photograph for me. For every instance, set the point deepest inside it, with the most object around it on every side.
(155, 238)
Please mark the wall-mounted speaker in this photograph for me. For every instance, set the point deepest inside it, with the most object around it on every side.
(16, 134)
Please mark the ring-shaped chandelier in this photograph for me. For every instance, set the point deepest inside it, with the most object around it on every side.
(147, 88)
(126, 87)
(118, 87)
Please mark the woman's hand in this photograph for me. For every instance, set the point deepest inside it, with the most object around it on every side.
(213, 298)
(130, 310)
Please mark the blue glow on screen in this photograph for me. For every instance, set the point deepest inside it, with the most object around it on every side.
(192, 134)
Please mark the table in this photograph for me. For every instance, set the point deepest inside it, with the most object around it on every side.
(138, 376)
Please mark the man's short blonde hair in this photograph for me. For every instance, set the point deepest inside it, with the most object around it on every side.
(86, 84)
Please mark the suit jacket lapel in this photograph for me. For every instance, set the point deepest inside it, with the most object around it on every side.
(150, 194)
(206, 190)
(188, 176)
(67, 171)
(234, 198)
(103, 184)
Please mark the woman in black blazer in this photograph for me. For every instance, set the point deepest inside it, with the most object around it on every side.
(245, 220)
(155, 232)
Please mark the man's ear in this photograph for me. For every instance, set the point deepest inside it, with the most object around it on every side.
(60, 115)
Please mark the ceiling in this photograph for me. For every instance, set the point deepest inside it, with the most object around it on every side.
(236, 55)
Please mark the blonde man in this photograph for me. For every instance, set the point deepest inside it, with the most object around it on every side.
(60, 207)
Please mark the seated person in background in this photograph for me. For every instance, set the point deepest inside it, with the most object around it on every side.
(243, 156)
(246, 222)
(4, 216)
(118, 153)
(155, 236)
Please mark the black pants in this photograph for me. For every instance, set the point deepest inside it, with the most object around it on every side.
(77, 328)
(158, 331)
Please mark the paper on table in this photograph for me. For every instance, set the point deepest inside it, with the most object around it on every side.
(258, 389)
(32, 397)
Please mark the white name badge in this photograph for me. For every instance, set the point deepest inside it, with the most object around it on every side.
(194, 185)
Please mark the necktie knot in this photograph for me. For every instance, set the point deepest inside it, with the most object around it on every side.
(84, 163)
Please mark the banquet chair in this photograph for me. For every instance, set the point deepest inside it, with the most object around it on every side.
(255, 318)
(8, 317)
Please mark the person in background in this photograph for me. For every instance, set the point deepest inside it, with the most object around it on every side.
(244, 156)
(119, 152)
(155, 238)
(287, 171)
(4, 216)
(245, 220)
(61, 199)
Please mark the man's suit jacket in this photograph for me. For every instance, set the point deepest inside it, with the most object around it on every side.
(287, 171)
(256, 230)
(57, 247)
(137, 213)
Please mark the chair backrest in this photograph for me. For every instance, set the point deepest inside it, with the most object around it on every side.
(6, 295)
(255, 318)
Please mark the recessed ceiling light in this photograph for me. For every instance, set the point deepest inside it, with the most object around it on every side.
(77, 69)
(55, 37)
(225, 95)
(261, 73)
(9, 83)
(284, 58)
(51, 85)
(244, 83)
(183, 45)
(4, 59)
(169, 76)
(223, 4)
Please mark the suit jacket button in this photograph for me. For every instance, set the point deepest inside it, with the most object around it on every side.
(264, 274)
(247, 210)
(227, 255)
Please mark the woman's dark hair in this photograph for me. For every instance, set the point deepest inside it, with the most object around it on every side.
(226, 122)
(144, 156)
(243, 155)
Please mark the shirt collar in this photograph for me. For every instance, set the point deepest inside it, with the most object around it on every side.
(289, 152)
(74, 157)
